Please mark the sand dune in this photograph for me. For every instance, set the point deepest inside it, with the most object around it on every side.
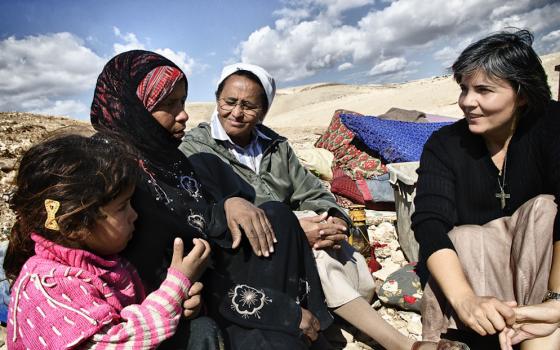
(303, 110)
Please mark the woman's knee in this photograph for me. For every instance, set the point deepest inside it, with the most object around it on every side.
(545, 203)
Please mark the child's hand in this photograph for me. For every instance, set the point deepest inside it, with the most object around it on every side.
(194, 264)
(192, 305)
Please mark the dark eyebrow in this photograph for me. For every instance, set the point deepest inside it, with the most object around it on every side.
(478, 86)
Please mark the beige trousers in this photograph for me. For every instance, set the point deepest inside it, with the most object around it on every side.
(344, 275)
(508, 258)
(343, 272)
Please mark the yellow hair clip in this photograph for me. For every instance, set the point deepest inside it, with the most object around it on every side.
(51, 206)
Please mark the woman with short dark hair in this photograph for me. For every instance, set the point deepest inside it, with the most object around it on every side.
(485, 212)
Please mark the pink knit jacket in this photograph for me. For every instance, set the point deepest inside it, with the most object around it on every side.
(69, 298)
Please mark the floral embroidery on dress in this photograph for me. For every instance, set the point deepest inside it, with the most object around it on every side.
(189, 184)
(304, 290)
(248, 301)
(197, 221)
(160, 194)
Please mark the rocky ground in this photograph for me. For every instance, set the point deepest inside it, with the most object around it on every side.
(20, 130)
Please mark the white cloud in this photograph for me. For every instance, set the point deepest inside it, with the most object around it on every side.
(335, 8)
(39, 73)
(448, 54)
(311, 36)
(552, 36)
(50, 73)
(68, 108)
(345, 66)
(180, 58)
(390, 66)
(131, 42)
(551, 42)
(130, 39)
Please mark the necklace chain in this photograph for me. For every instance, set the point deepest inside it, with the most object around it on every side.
(502, 196)
(502, 174)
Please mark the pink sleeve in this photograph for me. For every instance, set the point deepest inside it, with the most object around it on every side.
(158, 315)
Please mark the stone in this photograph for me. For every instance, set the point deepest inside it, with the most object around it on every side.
(7, 165)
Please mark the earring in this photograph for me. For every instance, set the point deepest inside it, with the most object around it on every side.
(51, 206)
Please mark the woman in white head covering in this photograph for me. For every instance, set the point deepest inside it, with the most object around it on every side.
(261, 164)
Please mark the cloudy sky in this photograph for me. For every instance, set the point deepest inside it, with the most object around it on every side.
(51, 51)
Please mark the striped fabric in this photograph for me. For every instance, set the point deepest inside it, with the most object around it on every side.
(157, 85)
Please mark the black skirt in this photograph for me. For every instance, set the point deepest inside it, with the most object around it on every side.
(256, 300)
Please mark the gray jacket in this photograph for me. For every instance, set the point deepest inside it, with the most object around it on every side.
(281, 176)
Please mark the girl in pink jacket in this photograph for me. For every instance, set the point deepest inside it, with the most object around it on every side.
(72, 289)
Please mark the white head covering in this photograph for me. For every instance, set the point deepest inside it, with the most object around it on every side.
(266, 79)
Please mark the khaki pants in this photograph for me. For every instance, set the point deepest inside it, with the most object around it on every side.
(508, 258)
(344, 275)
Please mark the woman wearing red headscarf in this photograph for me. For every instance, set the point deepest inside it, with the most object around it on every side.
(263, 289)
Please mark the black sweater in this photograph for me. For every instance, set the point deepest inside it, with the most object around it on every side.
(458, 182)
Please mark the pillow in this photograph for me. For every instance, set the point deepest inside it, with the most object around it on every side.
(350, 154)
(346, 187)
(402, 289)
(316, 160)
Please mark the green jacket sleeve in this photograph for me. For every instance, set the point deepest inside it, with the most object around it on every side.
(309, 192)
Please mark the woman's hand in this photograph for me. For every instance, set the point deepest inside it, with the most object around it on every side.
(309, 325)
(243, 216)
(323, 231)
(485, 315)
(533, 321)
(193, 304)
(194, 264)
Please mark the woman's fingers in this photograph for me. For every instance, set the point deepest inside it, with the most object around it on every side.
(235, 236)
(505, 338)
(494, 315)
(257, 241)
(506, 312)
(267, 230)
(323, 244)
(244, 218)
(337, 237)
(497, 322)
(317, 218)
(547, 312)
(486, 325)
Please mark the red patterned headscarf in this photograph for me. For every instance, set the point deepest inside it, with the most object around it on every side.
(157, 85)
(117, 106)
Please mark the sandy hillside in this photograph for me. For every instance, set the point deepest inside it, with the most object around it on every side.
(299, 112)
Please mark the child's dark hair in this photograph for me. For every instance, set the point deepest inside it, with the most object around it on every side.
(82, 173)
